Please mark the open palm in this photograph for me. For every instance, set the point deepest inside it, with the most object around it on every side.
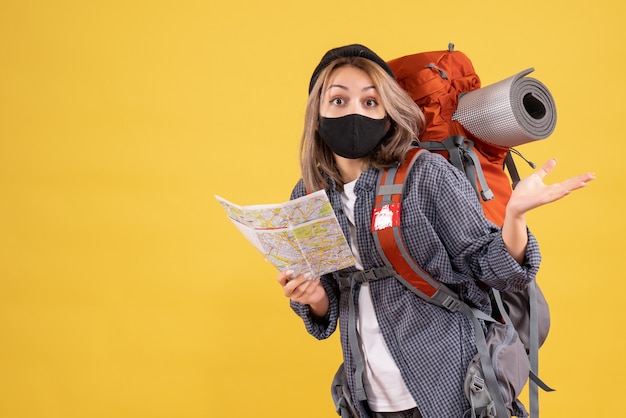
(532, 192)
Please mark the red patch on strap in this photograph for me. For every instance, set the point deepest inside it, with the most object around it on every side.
(386, 216)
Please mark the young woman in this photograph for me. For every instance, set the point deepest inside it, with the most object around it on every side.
(415, 355)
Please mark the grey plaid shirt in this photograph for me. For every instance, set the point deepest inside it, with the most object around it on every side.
(445, 231)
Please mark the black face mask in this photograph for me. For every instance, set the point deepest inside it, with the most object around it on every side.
(352, 136)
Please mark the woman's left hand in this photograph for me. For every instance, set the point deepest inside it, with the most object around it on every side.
(532, 192)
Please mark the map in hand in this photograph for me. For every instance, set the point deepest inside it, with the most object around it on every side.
(302, 235)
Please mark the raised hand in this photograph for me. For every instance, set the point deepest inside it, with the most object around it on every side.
(532, 192)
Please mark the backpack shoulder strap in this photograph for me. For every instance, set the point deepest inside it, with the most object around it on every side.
(462, 156)
(390, 245)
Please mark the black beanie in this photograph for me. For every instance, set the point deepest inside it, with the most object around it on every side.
(354, 50)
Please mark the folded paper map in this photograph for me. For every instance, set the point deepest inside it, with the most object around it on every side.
(302, 235)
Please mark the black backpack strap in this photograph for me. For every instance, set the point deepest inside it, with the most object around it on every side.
(512, 169)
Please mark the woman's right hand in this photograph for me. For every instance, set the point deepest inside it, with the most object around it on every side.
(302, 290)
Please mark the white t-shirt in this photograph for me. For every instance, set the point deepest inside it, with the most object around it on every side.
(384, 386)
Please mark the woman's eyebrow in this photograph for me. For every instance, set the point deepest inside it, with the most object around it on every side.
(341, 86)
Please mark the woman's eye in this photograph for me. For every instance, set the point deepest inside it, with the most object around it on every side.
(371, 103)
(338, 101)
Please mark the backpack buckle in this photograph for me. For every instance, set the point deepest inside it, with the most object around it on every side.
(477, 384)
(451, 303)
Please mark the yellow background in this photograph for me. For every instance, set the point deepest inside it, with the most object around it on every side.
(125, 291)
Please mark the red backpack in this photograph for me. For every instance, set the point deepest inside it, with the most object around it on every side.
(434, 81)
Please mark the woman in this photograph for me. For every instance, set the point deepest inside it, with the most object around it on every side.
(358, 121)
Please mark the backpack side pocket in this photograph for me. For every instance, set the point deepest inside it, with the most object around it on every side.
(510, 363)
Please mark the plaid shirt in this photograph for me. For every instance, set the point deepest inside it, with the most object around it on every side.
(445, 231)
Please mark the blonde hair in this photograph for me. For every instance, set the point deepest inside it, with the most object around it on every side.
(407, 120)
